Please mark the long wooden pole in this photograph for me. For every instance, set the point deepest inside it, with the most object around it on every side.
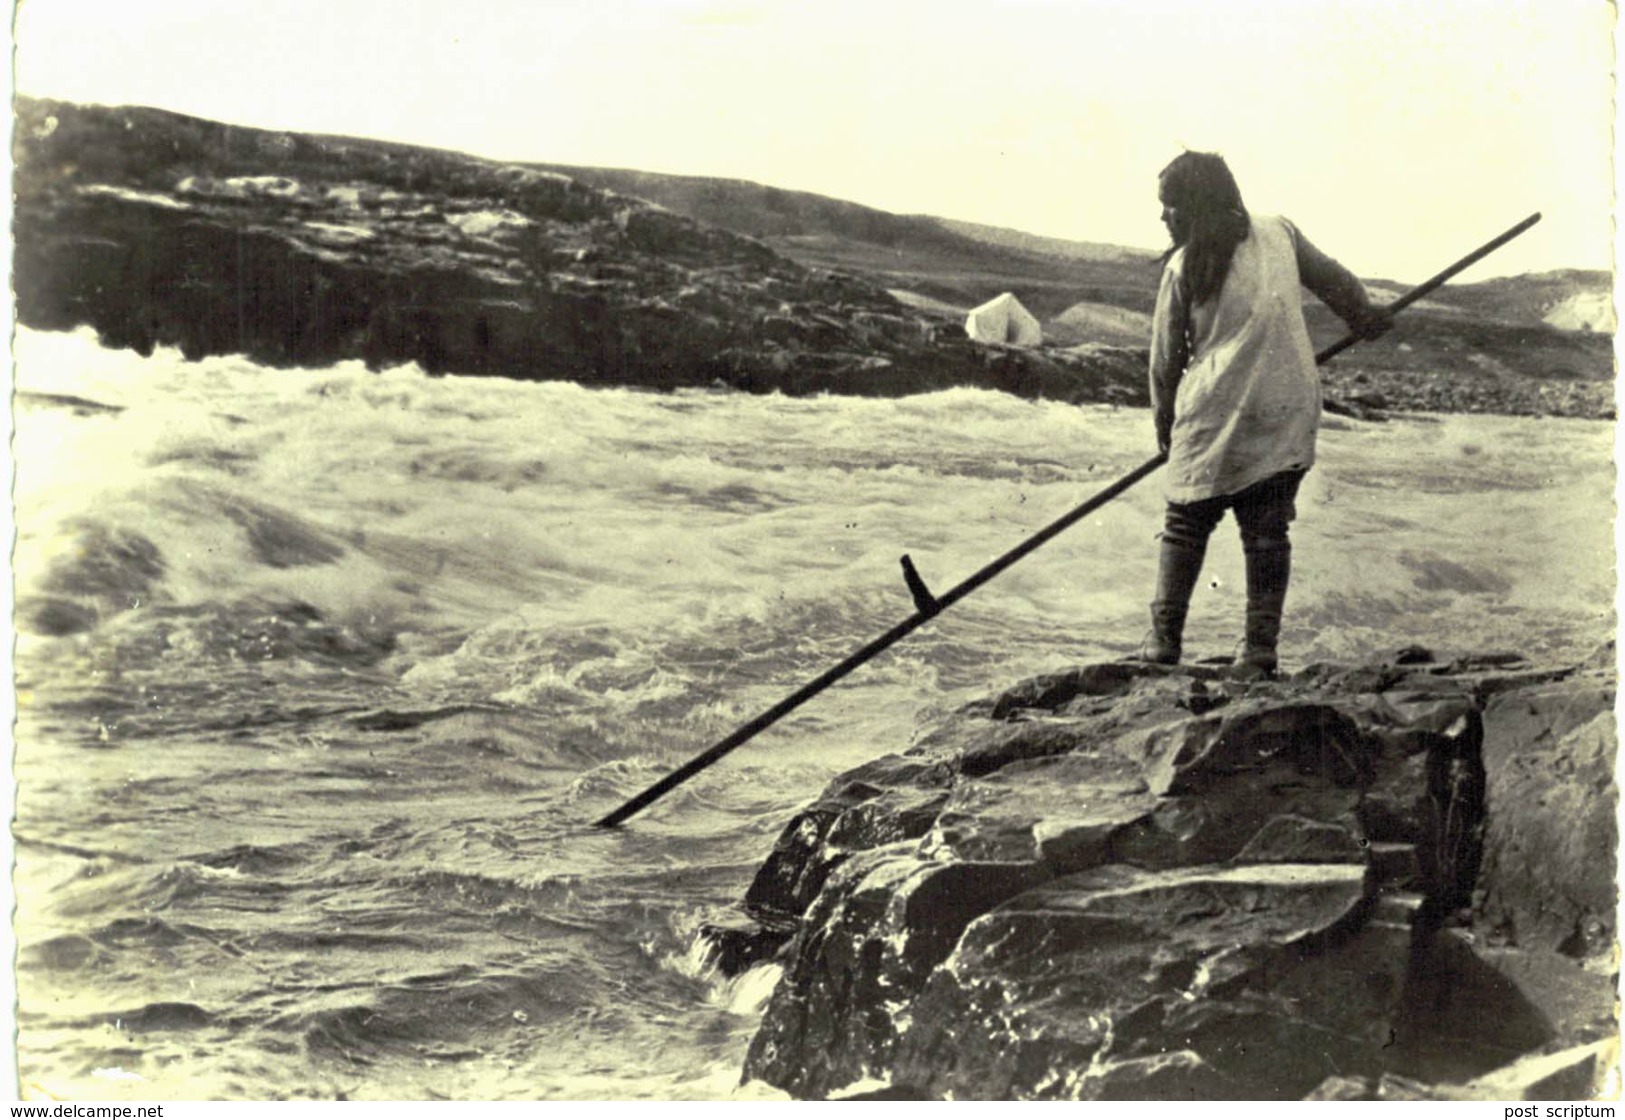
(1427, 286)
(928, 606)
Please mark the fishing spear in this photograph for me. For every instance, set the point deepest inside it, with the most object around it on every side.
(927, 606)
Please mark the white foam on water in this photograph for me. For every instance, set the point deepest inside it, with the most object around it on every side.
(747, 994)
(623, 577)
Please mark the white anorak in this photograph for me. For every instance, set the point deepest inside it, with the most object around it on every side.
(1233, 379)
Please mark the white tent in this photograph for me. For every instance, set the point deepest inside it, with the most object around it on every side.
(1003, 319)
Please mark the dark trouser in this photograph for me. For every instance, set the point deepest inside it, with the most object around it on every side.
(1263, 513)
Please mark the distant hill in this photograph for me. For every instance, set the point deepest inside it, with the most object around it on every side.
(1050, 246)
(161, 229)
(1569, 299)
(959, 263)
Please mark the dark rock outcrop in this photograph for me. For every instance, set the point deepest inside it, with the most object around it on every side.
(1547, 880)
(1128, 881)
(163, 230)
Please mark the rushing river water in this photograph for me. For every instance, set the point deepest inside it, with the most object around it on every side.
(323, 675)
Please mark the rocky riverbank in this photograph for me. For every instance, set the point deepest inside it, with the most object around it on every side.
(158, 229)
(1379, 881)
(162, 230)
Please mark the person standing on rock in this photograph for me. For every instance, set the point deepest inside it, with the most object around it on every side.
(1235, 392)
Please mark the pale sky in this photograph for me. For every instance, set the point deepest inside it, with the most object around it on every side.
(1398, 133)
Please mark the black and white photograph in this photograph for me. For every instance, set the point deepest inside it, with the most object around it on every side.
(770, 551)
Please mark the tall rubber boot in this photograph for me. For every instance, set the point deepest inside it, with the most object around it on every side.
(1177, 572)
(1269, 568)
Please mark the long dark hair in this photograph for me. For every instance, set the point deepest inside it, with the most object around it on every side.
(1212, 222)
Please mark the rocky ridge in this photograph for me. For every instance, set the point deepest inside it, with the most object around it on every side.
(157, 229)
(1125, 881)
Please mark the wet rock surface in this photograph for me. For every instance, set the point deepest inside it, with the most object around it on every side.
(1549, 761)
(1133, 881)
